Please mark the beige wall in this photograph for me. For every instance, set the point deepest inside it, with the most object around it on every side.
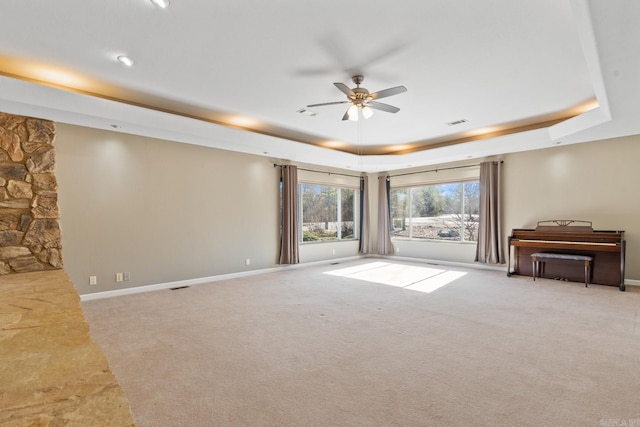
(163, 211)
(166, 211)
(596, 181)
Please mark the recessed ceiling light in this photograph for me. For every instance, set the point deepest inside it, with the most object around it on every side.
(125, 60)
(163, 4)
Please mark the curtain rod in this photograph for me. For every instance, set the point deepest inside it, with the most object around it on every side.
(440, 169)
(328, 173)
(275, 165)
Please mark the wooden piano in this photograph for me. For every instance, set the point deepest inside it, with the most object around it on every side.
(569, 237)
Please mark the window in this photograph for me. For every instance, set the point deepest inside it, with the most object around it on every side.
(327, 213)
(436, 212)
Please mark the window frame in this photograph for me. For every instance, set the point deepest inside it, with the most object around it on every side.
(339, 221)
(410, 187)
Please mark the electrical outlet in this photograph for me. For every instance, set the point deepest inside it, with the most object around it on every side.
(127, 276)
(334, 251)
(118, 277)
(93, 280)
(247, 261)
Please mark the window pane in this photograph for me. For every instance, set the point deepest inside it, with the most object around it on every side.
(347, 215)
(436, 209)
(400, 218)
(328, 213)
(451, 226)
(471, 210)
(436, 212)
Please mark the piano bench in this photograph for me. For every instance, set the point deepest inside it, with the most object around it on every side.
(539, 258)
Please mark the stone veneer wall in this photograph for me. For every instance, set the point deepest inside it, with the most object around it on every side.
(29, 214)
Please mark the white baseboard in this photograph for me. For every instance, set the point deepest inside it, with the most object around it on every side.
(203, 280)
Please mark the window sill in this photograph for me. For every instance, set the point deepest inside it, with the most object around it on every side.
(314, 242)
(456, 242)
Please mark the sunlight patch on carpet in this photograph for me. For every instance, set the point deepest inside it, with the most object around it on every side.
(415, 278)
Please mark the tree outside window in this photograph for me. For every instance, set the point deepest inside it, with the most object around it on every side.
(447, 211)
(327, 213)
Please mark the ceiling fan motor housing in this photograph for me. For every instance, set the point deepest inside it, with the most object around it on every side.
(360, 95)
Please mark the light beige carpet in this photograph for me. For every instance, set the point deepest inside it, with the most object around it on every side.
(368, 343)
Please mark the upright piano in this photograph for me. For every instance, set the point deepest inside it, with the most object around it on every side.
(606, 247)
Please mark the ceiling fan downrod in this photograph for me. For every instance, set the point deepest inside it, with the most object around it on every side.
(360, 94)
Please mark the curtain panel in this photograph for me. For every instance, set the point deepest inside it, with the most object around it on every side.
(385, 246)
(289, 253)
(364, 246)
(489, 249)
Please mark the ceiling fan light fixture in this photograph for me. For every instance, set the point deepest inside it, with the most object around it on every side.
(353, 113)
(367, 112)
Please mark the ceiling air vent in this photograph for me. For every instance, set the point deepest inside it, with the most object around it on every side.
(457, 122)
(306, 112)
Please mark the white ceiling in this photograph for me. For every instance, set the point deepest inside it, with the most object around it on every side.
(232, 74)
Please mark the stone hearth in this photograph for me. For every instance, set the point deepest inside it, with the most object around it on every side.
(52, 373)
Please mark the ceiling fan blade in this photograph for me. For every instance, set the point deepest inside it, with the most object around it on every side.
(346, 115)
(344, 89)
(384, 107)
(328, 103)
(388, 92)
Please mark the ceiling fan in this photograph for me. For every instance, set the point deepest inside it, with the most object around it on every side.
(362, 100)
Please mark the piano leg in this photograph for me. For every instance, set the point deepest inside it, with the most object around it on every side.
(623, 248)
(509, 272)
(587, 270)
(534, 267)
